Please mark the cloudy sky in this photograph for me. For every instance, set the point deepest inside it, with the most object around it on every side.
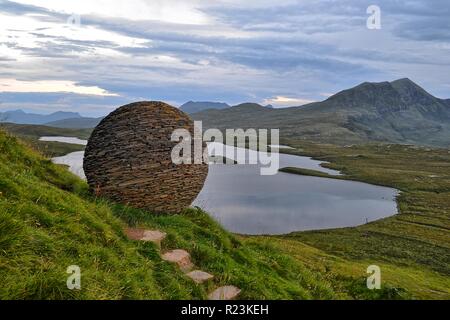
(91, 56)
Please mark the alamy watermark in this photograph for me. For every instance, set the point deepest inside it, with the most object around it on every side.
(374, 20)
(251, 147)
(74, 280)
(374, 280)
(74, 20)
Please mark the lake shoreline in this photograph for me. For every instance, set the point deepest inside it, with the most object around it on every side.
(314, 173)
(245, 202)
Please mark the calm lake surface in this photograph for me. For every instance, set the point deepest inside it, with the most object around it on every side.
(70, 140)
(246, 202)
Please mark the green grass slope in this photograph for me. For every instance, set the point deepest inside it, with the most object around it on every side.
(413, 247)
(48, 222)
(75, 123)
(31, 134)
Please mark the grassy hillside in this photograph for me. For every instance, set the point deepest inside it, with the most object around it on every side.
(31, 134)
(36, 131)
(75, 123)
(49, 222)
(413, 246)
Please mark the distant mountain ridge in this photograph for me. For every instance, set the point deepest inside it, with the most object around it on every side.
(192, 107)
(395, 112)
(21, 117)
(75, 123)
(73, 120)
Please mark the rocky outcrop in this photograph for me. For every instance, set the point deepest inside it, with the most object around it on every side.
(128, 159)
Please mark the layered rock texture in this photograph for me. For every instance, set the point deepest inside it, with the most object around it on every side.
(128, 159)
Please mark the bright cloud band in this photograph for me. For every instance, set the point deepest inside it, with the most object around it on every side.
(51, 86)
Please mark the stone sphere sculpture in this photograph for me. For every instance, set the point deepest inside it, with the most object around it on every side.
(128, 159)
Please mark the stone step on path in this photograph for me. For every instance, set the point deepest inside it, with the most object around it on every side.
(154, 236)
(199, 276)
(183, 259)
(224, 293)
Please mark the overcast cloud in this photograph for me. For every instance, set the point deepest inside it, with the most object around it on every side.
(283, 52)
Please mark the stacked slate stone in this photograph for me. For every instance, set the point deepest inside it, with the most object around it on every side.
(128, 159)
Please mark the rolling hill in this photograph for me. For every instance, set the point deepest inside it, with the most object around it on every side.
(192, 107)
(395, 112)
(75, 123)
(31, 133)
(37, 131)
(21, 117)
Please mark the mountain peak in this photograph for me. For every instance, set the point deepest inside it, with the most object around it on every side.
(398, 112)
(250, 106)
(382, 97)
(407, 89)
(369, 83)
(404, 81)
(197, 106)
(66, 113)
(366, 92)
(18, 111)
(411, 91)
